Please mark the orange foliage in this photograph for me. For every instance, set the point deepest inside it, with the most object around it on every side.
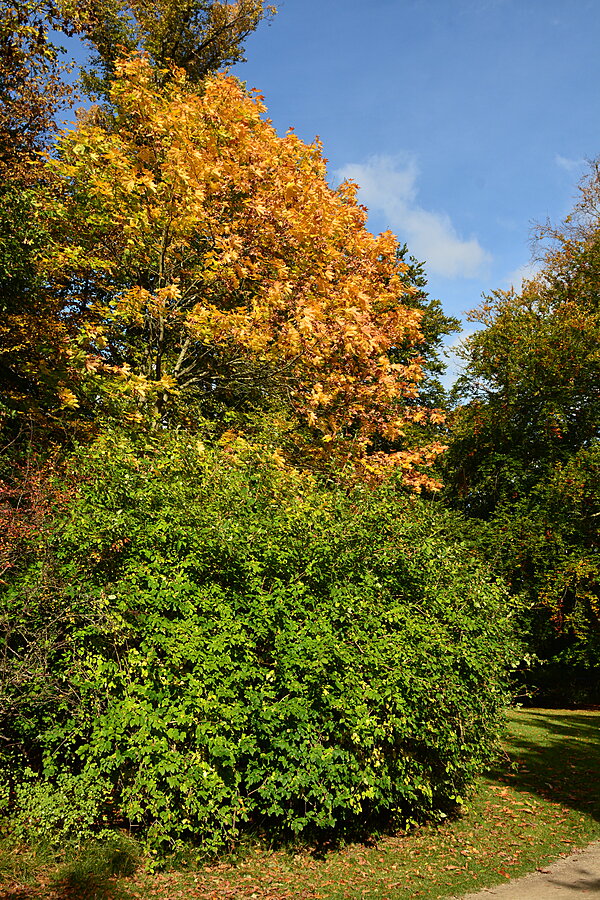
(210, 253)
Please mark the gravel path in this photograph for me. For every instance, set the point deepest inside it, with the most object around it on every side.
(574, 876)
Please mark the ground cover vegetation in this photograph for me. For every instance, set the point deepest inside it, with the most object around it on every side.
(236, 602)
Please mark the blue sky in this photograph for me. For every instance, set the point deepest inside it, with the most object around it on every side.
(464, 121)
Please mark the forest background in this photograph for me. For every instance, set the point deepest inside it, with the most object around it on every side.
(248, 537)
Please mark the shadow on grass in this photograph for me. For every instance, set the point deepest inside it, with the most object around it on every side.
(89, 887)
(556, 755)
(95, 873)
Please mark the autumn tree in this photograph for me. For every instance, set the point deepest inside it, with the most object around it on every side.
(205, 262)
(198, 36)
(435, 326)
(36, 349)
(32, 89)
(32, 85)
(524, 456)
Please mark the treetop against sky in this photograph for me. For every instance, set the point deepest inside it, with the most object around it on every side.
(464, 123)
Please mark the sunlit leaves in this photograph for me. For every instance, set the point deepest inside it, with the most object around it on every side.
(31, 84)
(199, 36)
(215, 253)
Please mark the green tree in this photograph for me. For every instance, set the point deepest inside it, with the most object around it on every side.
(199, 36)
(525, 442)
(435, 326)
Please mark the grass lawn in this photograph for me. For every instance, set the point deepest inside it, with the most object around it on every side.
(542, 801)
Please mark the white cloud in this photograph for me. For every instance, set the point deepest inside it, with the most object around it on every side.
(523, 273)
(570, 165)
(388, 185)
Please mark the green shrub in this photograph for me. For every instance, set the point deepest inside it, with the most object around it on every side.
(238, 647)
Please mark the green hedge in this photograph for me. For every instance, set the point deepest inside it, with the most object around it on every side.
(222, 646)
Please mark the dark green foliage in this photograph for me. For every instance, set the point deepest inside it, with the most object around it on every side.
(531, 391)
(200, 36)
(435, 327)
(231, 647)
(524, 457)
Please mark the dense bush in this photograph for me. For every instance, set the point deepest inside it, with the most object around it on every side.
(222, 646)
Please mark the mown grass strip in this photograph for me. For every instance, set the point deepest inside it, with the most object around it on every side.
(541, 801)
